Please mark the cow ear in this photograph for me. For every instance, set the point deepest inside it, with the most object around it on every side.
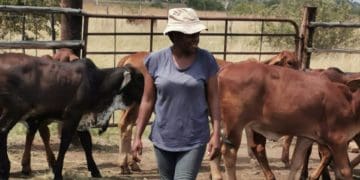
(354, 84)
(126, 79)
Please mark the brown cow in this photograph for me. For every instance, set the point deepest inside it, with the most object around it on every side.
(127, 120)
(81, 92)
(62, 55)
(275, 101)
(334, 75)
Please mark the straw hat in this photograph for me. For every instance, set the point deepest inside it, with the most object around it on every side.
(183, 20)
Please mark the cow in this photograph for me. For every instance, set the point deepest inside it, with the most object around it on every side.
(78, 93)
(62, 55)
(275, 101)
(127, 120)
(335, 75)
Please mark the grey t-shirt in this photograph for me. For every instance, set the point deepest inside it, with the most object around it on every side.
(181, 108)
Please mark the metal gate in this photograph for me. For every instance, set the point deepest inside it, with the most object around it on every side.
(225, 34)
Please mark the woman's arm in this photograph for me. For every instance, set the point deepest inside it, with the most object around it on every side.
(145, 110)
(214, 105)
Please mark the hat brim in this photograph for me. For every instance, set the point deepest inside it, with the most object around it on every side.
(185, 29)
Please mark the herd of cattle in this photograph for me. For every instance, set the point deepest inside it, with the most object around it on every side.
(269, 100)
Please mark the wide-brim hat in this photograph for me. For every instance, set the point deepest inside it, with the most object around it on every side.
(183, 20)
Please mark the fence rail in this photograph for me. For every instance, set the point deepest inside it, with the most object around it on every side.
(42, 44)
(334, 25)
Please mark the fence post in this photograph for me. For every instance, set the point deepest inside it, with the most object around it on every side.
(71, 24)
(306, 36)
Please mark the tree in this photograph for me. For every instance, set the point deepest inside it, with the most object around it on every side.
(12, 23)
(71, 26)
(328, 11)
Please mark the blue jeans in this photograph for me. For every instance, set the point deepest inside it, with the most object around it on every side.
(179, 165)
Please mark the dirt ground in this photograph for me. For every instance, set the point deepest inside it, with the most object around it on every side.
(106, 156)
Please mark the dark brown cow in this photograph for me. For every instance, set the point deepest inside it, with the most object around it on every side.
(80, 91)
(275, 101)
(62, 55)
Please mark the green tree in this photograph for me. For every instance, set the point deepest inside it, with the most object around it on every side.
(12, 23)
(205, 5)
(327, 11)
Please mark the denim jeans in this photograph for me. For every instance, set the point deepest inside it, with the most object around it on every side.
(179, 165)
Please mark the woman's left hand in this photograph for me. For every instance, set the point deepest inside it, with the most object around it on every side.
(214, 146)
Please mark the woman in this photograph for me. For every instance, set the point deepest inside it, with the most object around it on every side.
(181, 83)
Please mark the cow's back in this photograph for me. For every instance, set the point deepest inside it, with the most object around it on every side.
(41, 81)
(289, 101)
(135, 60)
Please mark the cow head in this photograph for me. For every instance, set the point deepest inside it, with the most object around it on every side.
(285, 59)
(125, 85)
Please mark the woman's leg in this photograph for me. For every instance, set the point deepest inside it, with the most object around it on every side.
(188, 163)
(166, 163)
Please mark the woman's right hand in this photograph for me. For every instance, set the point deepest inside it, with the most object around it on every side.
(137, 149)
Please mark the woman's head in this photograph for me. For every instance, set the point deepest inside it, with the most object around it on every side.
(183, 28)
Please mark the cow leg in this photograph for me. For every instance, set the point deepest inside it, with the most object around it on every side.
(26, 159)
(325, 156)
(229, 152)
(301, 148)
(45, 136)
(305, 171)
(4, 159)
(215, 170)
(258, 148)
(341, 160)
(67, 132)
(126, 124)
(356, 160)
(249, 138)
(85, 139)
(286, 150)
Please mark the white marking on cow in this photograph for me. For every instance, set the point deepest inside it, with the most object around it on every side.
(102, 118)
(87, 121)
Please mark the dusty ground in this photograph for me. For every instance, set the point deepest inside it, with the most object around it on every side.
(106, 154)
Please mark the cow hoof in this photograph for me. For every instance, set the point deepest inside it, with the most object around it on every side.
(59, 177)
(215, 177)
(96, 175)
(26, 171)
(135, 167)
(125, 170)
(286, 164)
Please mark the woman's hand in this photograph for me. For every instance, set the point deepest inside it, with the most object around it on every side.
(214, 146)
(137, 149)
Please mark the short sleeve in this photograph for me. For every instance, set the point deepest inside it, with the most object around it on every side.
(213, 66)
(151, 65)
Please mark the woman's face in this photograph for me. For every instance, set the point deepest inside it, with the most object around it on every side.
(187, 42)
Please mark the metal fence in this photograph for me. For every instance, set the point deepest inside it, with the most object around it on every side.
(82, 43)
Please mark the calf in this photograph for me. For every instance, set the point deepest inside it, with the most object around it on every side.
(63, 55)
(127, 120)
(334, 75)
(71, 93)
(275, 101)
